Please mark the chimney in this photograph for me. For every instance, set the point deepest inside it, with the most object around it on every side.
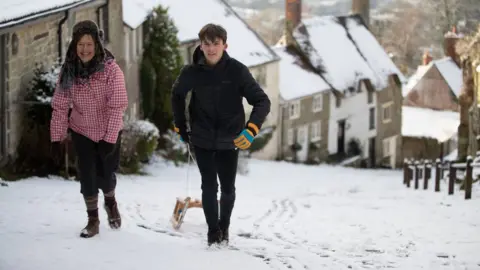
(450, 40)
(293, 13)
(427, 58)
(362, 8)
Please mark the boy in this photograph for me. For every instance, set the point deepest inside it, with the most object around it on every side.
(217, 130)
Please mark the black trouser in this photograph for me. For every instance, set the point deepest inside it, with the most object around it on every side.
(224, 164)
(94, 170)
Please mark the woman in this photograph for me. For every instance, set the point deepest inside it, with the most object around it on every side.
(92, 85)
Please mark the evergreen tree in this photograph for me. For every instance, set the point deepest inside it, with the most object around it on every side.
(161, 65)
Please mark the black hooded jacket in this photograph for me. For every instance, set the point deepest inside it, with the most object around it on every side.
(216, 114)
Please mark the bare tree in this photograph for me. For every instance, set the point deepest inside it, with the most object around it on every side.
(268, 23)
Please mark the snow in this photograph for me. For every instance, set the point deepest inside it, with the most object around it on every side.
(143, 128)
(135, 12)
(347, 53)
(447, 68)
(306, 82)
(16, 11)
(452, 74)
(428, 123)
(328, 218)
(243, 43)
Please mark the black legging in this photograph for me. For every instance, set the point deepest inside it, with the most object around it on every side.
(95, 171)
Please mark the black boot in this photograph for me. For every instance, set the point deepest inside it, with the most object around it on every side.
(224, 230)
(214, 236)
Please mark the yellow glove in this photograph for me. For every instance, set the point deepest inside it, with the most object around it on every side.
(245, 138)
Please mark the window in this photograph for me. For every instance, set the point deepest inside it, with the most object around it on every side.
(316, 131)
(290, 136)
(387, 112)
(294, 110)
(317, 103)
(371, 118)
(338, 101)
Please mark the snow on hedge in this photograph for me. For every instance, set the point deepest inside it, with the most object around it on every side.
(143, 128)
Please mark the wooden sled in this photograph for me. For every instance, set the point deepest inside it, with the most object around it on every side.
(180, 210)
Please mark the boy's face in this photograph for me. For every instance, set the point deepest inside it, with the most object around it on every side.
(213, 50)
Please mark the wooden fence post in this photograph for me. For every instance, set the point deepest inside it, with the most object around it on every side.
(468, 178)
(417, 172)
(438, 166)
(405, 171)
(452, 176)
(409, 173)
(426, 173)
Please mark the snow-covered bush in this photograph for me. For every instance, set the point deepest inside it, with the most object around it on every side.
(173, 148)
(33, 152)
(139, 142)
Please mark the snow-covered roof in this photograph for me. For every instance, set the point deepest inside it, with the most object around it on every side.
(427, 123)
(17, 11)
(244, 44)
(305, 82)
(135, 12)
(345, 51)
(447, 68)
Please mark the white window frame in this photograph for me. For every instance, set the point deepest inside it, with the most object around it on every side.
(387, 117)
(290, 136)
(317, 103)
(294, 110)
(316, 131)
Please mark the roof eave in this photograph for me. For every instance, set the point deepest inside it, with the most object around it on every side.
(39, 15)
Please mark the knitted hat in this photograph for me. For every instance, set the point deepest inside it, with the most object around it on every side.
(89, 27)
(72, 68)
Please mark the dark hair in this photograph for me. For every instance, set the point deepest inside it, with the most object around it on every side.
(211, 32)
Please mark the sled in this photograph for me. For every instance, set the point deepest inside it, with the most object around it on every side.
(180, 210)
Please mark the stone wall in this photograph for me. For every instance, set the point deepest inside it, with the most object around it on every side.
(389, 129)
(36, 44)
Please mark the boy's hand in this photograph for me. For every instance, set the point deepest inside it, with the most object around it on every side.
(184, 137)
(246, 137)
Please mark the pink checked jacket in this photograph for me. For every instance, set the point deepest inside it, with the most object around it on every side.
(97, 106)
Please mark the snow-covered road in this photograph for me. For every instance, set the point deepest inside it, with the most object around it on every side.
(286, 217)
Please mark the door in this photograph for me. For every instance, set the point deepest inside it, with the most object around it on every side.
(341, 137)
(3, 90)
(371, 152)
(302, 140)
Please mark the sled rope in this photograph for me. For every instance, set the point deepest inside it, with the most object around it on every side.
(190, 159)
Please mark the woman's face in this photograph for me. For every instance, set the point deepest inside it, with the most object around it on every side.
(86, 48)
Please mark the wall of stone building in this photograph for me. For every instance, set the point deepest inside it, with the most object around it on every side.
(37, 44)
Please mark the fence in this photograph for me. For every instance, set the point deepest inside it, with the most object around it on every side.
(421, 170)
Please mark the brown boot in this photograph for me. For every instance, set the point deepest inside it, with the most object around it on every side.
(114, 219)
(93, 225)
